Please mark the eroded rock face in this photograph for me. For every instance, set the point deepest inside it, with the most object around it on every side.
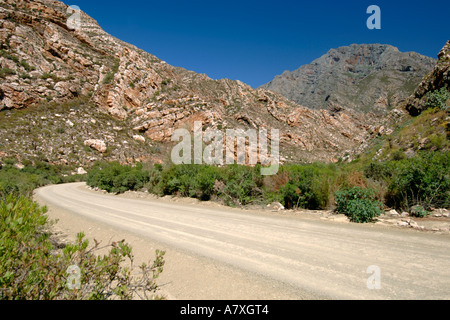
(14, 95)
(43, 61)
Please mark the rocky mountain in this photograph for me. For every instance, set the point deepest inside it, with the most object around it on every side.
(362, 77)
(76, 95)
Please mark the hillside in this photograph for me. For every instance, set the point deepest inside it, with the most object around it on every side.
(76, 96)
(44, 62)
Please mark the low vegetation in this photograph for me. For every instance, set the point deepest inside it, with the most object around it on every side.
(438, 99)
(422, 180)
(359, 204)
(397, 183)
(4, 72)
(22, 182)
(109, 77)
(117, 178)
(25, 134)
(34, 266)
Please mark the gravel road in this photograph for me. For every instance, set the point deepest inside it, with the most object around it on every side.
(224, 253)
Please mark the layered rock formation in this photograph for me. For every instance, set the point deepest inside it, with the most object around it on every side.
(44, 61)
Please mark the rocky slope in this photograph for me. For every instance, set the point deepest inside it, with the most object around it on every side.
(43, 61)
(365, 77)
(100, 84)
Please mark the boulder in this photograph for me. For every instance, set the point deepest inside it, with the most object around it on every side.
(139, 138)
(393, 212)
(96, 144)
(81, 170)
(276, 206)
(402, 223)
(413, 224)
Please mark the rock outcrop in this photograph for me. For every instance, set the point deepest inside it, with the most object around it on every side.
(96, 144)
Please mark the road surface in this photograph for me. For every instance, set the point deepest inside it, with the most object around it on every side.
(310, 258)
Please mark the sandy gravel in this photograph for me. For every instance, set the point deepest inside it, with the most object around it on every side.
(186, 276)
(221, 253)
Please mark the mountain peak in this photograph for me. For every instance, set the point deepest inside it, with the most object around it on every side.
(354, 77)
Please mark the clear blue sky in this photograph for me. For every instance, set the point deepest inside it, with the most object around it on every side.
(254, 40)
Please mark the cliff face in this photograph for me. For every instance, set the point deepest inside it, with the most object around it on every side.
(365, 78)
(130, 102)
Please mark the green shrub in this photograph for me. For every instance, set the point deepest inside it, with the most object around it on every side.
(60, 130)
(398, 155)
(116, 178)
(49, 173)
(422, 180)
(196, 181)
(4, 72)
(108, 78)
(241, 185)
(46, 76)
(32, 176)
(302, 186)
(17, 182)
(32, 268)
(438, 99)
(25, 76)
(9, 56)
(235, 185)
(399, 183)
(154, 177)
(377, 171)
(359, 204)
(419, 211)
(204, 181)
(26, 66)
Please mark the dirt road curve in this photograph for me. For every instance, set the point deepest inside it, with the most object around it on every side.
(218, 253)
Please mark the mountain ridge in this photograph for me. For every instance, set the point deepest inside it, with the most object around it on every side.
(362, 77)
(45, 62)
